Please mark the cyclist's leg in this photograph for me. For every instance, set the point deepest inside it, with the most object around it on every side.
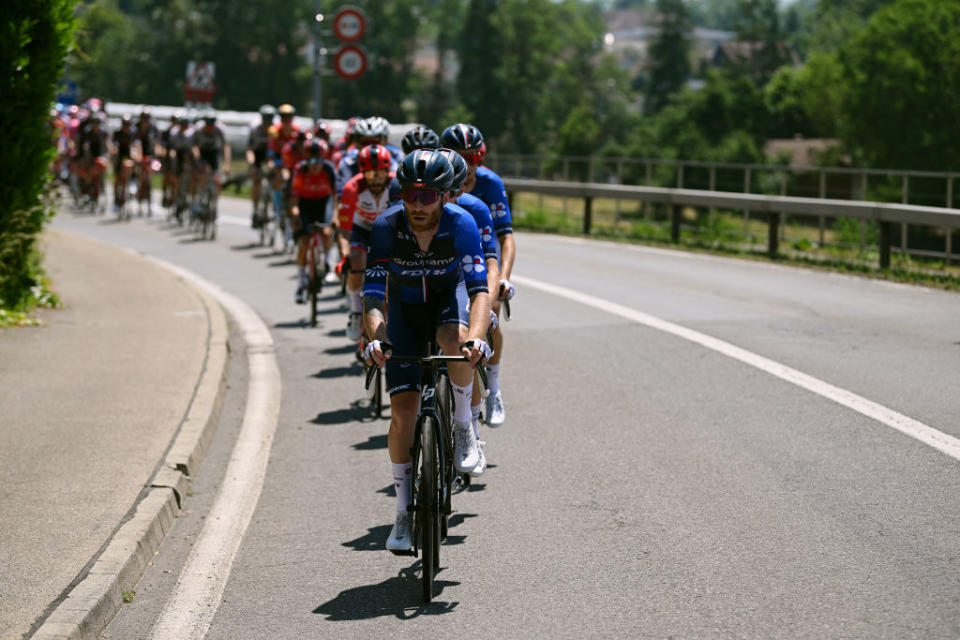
(451, 333)
(359, 239)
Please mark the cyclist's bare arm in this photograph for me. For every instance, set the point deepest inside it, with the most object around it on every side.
(375, 324)
(479, 316)
(508, 250)
(493, 274)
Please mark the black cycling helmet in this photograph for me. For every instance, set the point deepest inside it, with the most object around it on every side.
(420, 137)
(462, 136)
(425, 169)
(459, 165)
(210, 117)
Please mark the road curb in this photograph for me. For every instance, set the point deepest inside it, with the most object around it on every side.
(96, 599)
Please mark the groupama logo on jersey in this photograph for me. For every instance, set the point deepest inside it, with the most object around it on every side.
(473, 263)
(486, 234)
(499, 210)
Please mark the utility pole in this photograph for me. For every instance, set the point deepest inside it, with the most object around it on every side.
(318, 56)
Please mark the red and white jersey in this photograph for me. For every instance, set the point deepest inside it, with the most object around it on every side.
(359, 206)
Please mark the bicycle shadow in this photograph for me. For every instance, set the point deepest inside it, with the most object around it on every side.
(336, 372)
(372, 444)
(374, 540)
(337, 351)
(356, 413)
(245, 247)
(195, 240)
(400, 596)
(281, 263)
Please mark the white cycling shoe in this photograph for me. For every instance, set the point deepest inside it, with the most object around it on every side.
(493, 410)
(481, 463)
(401, 537)
(467, 454)
(353, 326)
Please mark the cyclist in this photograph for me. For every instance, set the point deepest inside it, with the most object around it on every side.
(180, 154)
(427, 259)
(488, 186)
(121, 148)
(373, 130)
(481, 215)
(146, 135)
(212, 154)
(167, 160)
(420, 137)
(364, 197)
(257, 142)
(280, 134)
(313, 192)
(91, 141)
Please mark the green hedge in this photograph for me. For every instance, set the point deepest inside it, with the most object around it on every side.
(35, 36)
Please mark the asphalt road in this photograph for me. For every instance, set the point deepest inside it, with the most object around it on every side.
(643, 485)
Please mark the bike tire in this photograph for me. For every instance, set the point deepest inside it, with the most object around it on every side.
(378, 393)
(312, 292)
(428, 506)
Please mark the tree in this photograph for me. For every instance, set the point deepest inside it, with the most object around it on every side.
(669, 53)
(35, 36)
(903, 77)
(758, 22)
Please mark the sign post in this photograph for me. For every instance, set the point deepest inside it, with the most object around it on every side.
(199, 87)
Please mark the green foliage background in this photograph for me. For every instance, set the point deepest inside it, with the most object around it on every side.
(35, 36)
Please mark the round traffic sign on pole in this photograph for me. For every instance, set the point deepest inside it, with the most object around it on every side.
(349, 24)
(350, 62)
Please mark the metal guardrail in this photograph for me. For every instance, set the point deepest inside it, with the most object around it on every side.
(885, 214)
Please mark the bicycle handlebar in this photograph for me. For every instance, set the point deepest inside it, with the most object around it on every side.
(506, 304)
(386, 346)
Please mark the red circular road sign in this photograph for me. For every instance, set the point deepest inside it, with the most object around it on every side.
(349, 24)
(350, 62)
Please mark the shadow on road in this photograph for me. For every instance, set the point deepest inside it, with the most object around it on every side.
(281, 263)
(355, 413)
(336, 351)
(335, 372)
(245, 247)
(374, 540)
(296, 324)
(195, 239)
(373, 443)
(400, 596)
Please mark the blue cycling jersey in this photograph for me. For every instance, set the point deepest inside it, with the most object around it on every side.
(481, 215)
(415, 276)
(489, 188)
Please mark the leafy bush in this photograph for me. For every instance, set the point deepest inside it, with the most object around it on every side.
(35, 36)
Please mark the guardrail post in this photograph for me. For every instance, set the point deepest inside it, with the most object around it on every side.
(783, 215)
(676, 212)
(773, 234)
(619, 181)
(823, 194)
(886, 233)
(646, 203)
(587, 214)
(713, 187)
(746, 212)
(949, 230)
(903, 227)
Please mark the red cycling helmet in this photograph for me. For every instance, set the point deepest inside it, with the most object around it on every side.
(373, 157)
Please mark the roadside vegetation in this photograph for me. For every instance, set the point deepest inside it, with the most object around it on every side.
(35, 36)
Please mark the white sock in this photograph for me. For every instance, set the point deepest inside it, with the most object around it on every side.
(401, 483)
(332, 261)
(356, 300)
(302, 273)
(461, 401)
(493, 378)
(475, 411)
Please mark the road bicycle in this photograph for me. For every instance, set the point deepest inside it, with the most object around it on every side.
(204, 209)
(374, 379)
(434, 477)
(316, 266)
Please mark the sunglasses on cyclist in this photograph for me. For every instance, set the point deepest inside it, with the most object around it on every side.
(426, 197)
(472, 156)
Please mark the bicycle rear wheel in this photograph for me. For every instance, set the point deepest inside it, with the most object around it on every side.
(428, 505)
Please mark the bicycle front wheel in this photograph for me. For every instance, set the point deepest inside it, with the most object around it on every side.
(429, 505)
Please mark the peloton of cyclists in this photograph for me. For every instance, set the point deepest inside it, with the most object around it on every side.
(212, 156)
(427, 259)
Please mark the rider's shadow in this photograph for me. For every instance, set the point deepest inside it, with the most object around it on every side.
(373, 443)
(400, 596)
(356, 413)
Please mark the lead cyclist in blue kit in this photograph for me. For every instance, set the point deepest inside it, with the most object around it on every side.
(429, 260)
(485, 184)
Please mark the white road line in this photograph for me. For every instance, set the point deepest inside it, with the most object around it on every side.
(908, 426)
(189, 611)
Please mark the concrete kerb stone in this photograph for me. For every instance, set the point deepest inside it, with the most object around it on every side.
(93, 603)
